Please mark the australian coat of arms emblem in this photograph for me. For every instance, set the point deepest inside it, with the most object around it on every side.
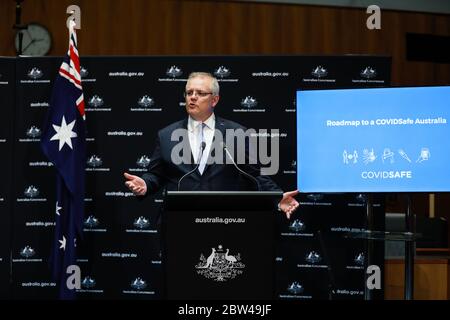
(220, 265)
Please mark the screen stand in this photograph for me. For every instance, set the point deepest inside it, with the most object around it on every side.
(409, 237)
(410, 247)
(331, 281)
(369, 244)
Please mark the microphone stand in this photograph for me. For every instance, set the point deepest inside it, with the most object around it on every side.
(239, 169)
(18, 25)
(202, 148)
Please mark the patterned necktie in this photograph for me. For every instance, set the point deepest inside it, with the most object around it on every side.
(201, 140)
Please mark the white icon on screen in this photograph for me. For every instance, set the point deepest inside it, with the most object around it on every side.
(388, 154)
(369, 156)
(350, 157)
(403, 154)
(424, 155)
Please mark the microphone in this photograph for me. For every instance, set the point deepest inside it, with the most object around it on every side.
(239, 169)
(202, 148)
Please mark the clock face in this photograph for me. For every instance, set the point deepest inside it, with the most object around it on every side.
(36, 40)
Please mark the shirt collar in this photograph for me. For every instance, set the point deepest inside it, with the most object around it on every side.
(210, 122)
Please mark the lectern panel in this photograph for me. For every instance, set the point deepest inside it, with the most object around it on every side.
(219, 254)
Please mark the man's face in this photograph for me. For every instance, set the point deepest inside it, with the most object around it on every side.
(200, 101)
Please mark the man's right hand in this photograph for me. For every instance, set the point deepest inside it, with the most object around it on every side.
(136, 184)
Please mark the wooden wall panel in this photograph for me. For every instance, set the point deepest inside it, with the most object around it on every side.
(431, 280)
(161, 27)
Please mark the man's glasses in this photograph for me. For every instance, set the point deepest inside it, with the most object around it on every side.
(201, 94)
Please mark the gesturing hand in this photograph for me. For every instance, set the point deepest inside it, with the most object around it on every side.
(288, 204)
(136, 184)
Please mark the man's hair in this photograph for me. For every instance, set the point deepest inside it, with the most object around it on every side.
(214, 83)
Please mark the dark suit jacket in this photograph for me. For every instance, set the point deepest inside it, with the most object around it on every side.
(216, 177)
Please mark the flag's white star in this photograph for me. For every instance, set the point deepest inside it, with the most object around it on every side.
(63, 243)
(64, 133)
(58, 208)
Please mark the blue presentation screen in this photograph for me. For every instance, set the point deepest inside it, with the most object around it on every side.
(374, 140)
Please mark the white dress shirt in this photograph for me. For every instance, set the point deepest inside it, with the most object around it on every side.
(194, 127)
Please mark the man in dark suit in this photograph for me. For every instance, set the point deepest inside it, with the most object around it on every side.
(202, 161)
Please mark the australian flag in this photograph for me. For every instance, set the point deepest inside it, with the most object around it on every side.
(64, 143)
